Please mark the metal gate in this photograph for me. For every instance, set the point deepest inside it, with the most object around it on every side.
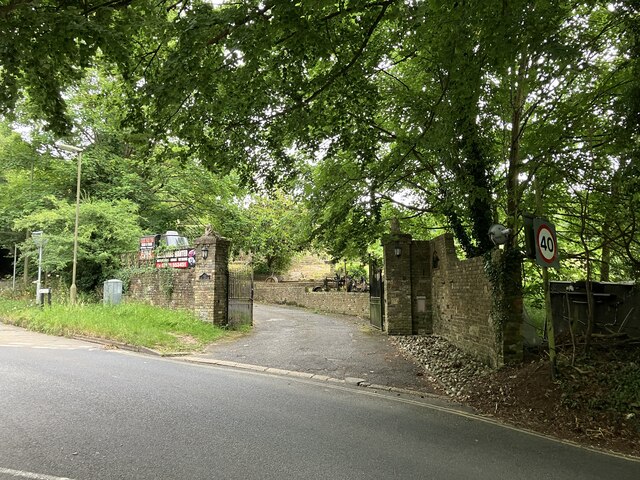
(240, 293)
(376, 296)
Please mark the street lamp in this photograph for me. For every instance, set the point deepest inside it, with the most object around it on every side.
(73, 291)
(39, 241)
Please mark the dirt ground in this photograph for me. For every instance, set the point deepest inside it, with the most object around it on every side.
(594, 403)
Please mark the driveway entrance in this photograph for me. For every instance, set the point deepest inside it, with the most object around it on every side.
(336, 346)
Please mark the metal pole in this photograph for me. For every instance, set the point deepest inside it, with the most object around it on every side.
(15, 262)
(39, 272)
(73, 291)
(551, 338)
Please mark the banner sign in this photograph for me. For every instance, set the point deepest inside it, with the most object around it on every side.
(183, 258)
(147, 245)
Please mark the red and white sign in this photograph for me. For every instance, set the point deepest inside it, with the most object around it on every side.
(546, 243)
(176, 259)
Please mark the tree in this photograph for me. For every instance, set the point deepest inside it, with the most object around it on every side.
(275, 229)
(106, 230)
(448, 109)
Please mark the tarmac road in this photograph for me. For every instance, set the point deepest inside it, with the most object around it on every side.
(71, 410)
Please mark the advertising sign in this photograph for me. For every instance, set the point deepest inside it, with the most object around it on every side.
(182, 258)
(147, 244)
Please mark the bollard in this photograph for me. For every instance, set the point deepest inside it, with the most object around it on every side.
(42, 292)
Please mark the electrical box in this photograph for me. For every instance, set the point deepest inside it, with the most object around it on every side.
(112, 293)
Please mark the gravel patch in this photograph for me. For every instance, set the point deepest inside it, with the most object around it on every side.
(444, 363)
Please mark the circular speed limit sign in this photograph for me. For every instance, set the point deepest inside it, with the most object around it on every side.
(546, 244)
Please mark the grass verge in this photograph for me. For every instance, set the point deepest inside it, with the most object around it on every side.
(131, 323)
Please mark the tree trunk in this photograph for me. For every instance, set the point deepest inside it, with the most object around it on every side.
(606, 255)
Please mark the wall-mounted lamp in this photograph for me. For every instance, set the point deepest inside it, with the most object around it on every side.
(397, 250)
(205, 252)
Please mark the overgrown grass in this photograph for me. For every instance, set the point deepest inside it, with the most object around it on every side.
(130, 323)
(535, 315)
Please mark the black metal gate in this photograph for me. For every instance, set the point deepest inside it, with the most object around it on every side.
(240, 294)
(376, 296)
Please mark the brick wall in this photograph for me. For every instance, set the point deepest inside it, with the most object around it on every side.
(461, 297)
(201, 290)
(397, 271)
(164, 287)
(344, 303)
(421, 287)
(429, 290)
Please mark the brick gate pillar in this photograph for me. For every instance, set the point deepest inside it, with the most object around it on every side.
(397, 283)
(211, 278)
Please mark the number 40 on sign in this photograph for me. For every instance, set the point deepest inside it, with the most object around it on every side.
(546, 244)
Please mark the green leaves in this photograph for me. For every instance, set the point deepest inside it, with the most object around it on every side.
(107, 229)
(375, 109)
(275, 228)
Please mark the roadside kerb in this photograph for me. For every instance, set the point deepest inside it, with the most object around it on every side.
(126, 346)
(184, 357)
(359, 382)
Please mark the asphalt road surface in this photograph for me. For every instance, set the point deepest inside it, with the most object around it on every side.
(70, 410)
(336, 346)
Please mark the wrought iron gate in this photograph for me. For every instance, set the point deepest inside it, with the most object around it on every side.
(240, 294)
(376, 296)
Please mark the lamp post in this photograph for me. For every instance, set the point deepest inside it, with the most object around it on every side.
(38, 240)
(73, 291)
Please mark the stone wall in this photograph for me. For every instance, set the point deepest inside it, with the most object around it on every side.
(164, 287)
(298, 294)
(397, 271)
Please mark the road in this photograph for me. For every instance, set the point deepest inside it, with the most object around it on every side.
(70, 410)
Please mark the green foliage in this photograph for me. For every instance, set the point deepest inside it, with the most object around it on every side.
(126, 273)
(106, 230)
(625, 386)
(438, 110)
(274, 229)
(167, 281)
(614, 387)
(133, 324)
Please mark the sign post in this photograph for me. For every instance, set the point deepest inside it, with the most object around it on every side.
(546, 249)
(15, 263)
(39, 241)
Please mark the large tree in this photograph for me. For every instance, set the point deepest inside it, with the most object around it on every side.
(444, 108)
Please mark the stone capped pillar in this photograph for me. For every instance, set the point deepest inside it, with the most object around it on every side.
(211, 278)
(421, 265)
(397, 283)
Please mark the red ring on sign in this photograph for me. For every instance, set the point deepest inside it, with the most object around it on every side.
(555, 244)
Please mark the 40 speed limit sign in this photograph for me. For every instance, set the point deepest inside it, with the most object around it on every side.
(546, 243)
